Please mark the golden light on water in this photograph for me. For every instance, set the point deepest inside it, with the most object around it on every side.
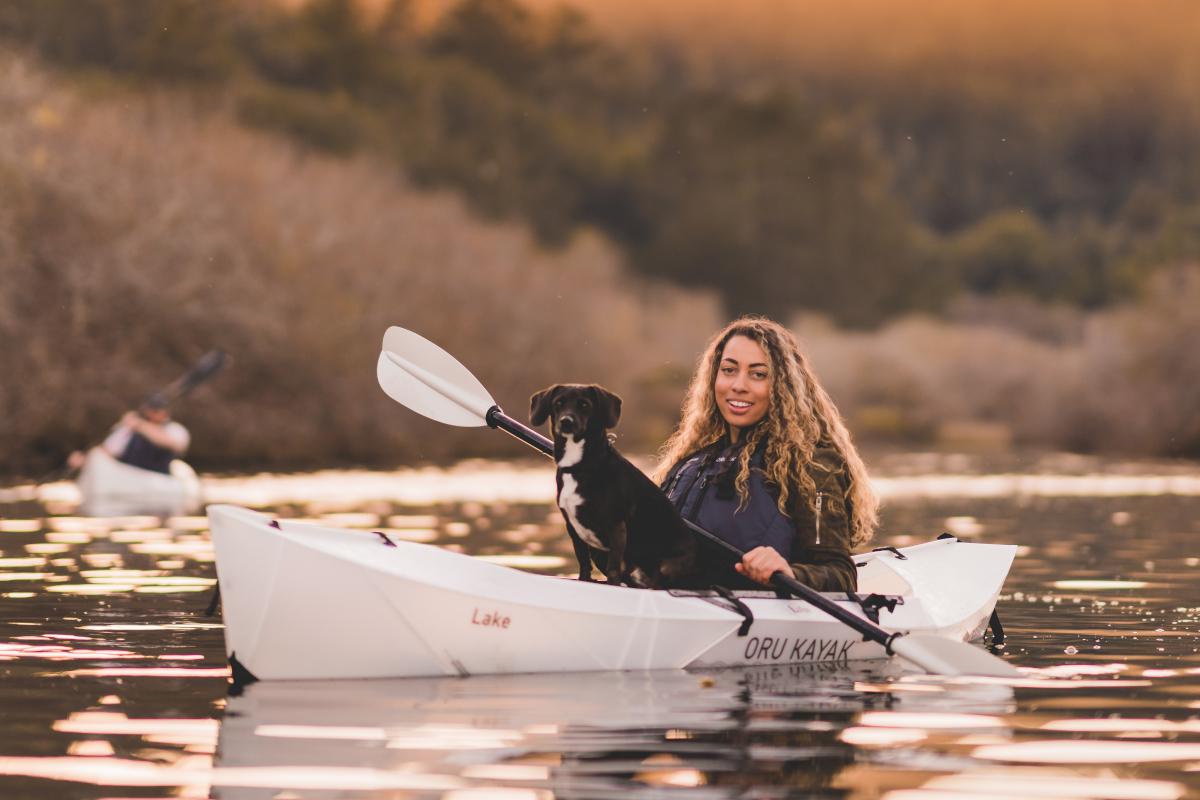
(321, 732)
(882, 719)
(1015, 784)
(881, 737)
(507, 772)
(1083, 751)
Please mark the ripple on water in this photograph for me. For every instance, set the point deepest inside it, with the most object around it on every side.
(114, 678)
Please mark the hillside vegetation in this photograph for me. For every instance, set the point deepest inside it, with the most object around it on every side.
(137, 233)
(1121, 380)
(994, 205)
(867, 158)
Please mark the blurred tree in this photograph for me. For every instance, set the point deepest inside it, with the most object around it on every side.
(890, 187)
(190, 40)
(324, 45)
(396, 30)
(80, 33)
(330, 122)
(509, 155)
(1005, 252)
(779, 207)
(498, 36)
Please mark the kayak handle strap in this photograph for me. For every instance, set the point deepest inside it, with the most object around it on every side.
(739, 607)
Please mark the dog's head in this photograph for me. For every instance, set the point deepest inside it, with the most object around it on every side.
(575, 410)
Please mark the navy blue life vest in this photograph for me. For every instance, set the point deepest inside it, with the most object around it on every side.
(702, 491)
(141, 452)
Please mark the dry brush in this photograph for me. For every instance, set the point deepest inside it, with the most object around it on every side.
(136, 232)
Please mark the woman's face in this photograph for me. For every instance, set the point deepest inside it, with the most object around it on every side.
(743, 385)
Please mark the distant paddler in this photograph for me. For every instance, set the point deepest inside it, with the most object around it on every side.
(147, 438)
(137, 469)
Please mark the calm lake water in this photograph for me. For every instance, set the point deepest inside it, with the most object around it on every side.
(115, 683)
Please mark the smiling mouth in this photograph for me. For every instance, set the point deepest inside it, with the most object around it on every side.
(740, 405)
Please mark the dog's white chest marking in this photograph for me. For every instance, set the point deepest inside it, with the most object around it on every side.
(569, 499)
(572, 452)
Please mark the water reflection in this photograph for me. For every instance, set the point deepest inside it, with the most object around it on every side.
(114, 682)
(776, 731)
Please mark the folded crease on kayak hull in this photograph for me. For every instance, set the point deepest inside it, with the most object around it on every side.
(308, 602)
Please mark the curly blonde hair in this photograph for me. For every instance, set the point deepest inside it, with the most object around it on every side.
(800, 418)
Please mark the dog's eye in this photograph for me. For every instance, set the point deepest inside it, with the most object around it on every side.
(585, 405)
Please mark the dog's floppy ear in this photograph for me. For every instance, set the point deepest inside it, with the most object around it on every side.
(608, 406)
(539, 405)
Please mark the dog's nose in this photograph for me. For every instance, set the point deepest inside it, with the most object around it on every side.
(566, 423)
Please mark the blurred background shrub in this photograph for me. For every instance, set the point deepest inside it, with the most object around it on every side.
(983, 203)
(1125, 379)
(136, 233)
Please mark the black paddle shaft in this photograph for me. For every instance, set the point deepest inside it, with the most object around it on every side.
(498, 419)
(204, 369)
(806, 593)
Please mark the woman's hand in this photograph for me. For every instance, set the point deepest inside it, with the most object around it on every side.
(761, 563)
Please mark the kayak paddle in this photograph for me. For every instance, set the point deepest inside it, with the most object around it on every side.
(419, 375)
(425, 378)
(203, 370)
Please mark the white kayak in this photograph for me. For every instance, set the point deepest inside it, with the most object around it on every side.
(302, 601)
(111, 488)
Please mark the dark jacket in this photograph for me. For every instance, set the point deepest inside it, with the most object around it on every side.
(141, 452)
(815, 538)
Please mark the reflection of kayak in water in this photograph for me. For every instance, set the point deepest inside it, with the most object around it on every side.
(303, 601)
(111, 488)
(752, 731)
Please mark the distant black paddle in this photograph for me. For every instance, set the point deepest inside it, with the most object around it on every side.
(422, 376)
(202, 371)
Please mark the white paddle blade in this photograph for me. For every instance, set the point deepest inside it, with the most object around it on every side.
(425, 378)
(939, 656)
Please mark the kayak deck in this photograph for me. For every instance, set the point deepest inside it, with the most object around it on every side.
(309, 602)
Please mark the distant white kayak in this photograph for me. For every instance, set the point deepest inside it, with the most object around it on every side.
(111, 488)
(307, 602)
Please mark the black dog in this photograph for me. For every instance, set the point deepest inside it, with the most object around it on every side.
(608, 503)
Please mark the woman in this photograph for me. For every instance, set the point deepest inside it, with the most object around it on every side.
(763, 460)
